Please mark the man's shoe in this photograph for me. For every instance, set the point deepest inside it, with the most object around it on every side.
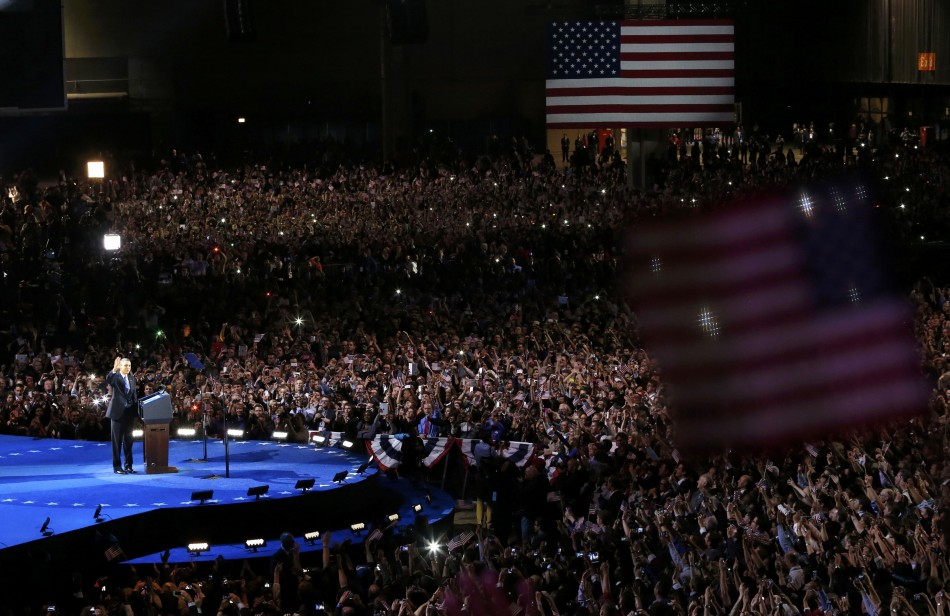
(119, 471)
(130, 470)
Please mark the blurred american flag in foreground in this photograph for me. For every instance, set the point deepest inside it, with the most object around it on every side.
(773, 319)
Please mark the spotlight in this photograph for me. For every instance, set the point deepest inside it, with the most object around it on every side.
(44, 530)
(258, 491)
(186, 432)
(95, 169)
(359, 526)
(393, 517)
(364, 466)
(304, 484)
(311, 537)
(197, 548)
(347, 444)
(97, 516)
(111, 242)
(279, 435)
(236, 432)
(202, 495)
(318, 439)
(340, 477)
(417, 507)
(253, 544)
(138, 433)
(434, 546)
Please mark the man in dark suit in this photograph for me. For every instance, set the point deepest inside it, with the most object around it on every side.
(122, 411)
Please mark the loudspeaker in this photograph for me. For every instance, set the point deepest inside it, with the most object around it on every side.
(238, 21)
(407, 21)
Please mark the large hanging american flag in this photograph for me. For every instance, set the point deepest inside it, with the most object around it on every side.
(640, 74)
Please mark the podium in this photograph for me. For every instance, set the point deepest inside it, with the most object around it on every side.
(156, 412)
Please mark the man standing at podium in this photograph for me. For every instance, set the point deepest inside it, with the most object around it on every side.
(122, 411)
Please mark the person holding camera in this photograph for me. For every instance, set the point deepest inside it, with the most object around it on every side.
(122, 411)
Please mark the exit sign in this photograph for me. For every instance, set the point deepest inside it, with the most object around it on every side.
(927, 61)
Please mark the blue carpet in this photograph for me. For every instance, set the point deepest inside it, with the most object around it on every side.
(66, 481)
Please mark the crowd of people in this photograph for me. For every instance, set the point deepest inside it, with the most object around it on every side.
(479, 299)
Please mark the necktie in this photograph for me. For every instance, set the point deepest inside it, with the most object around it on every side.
(126, 379)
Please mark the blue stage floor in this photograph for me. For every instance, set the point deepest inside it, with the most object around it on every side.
(66, 481)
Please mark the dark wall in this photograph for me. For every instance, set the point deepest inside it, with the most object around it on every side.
(810, 60)
(31, 55)
(857, 41)
(479, 58)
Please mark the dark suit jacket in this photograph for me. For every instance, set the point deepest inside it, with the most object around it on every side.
(121, 401)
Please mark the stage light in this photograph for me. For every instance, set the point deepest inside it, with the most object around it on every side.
(393, 517)
(242, 120)
(318, 439)
(97, 516)
(44, 530)
(253, 544)
(311, 537)
(279, 435)
(202, 495)
(364, 466)
(95, 169)
(111, 242)
(304, 484)
(258, 491)
(340, 477)
(197, 548)
(417, 507)
(347, 444)
(434, 546)
(236, 432)
(186, 432)
(138, 433)
(358, 527)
